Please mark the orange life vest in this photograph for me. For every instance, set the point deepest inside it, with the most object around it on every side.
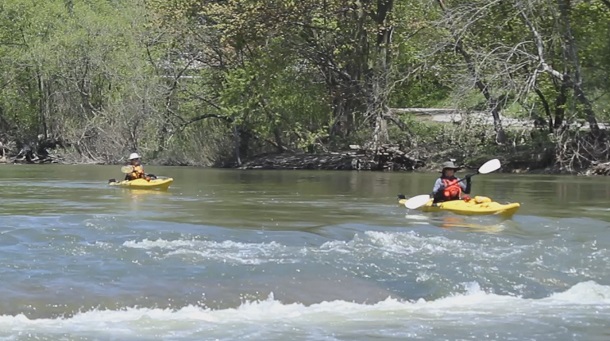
(136, 173)
(452, 190)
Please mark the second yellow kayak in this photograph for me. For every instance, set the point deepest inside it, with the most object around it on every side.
(478, 205)
(159, 183)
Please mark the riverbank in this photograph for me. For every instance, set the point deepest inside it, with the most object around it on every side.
(389, 157)
(392, 157)
(366, 161)
(42, 151)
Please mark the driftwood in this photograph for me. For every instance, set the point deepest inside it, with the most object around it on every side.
(387, 157)
(599, 169)
(40, 151)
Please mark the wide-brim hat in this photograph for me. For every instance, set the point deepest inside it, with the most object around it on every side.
(450, 165)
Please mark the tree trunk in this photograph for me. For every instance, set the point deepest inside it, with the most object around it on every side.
(344, 106)
(236, 142)
(560, 104)
(347, 82)
(43, 105)
(492, 102)
(570, 48)
(380, 89)
(547, 108)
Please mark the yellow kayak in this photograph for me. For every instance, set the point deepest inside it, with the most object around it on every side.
(159, 183)
(478, 205)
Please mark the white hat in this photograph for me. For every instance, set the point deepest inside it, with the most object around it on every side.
(134, 156)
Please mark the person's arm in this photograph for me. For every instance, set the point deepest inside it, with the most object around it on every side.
(139, 172)
(437, 191)
(438, 186)
(466, 184)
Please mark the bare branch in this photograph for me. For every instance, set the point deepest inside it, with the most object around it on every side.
(206, 116)
(539, 45)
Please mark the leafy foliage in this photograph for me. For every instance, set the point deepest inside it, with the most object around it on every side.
(216, 81)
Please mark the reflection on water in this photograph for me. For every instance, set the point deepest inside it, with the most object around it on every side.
(446, 220)
(140, 194)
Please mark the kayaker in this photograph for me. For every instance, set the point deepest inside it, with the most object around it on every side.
(137, 171)
(448, 186)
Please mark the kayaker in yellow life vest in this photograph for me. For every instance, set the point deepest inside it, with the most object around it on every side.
(137, 171)
(448, 186)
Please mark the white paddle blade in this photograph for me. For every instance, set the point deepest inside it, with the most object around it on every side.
(417, 201)
(126, 169)
(490, 166)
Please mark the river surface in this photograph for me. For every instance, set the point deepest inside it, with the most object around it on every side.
(297, 255)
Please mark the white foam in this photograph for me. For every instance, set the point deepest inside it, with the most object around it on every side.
(225, 251)
(472, 301)
(173, 244)
(411, 242)
(584, 293)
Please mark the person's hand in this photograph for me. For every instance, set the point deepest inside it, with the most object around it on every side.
(441, 188)
(468, 176)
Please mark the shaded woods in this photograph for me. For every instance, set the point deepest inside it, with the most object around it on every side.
(256, 82)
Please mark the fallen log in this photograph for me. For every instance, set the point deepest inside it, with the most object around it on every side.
(599, 169)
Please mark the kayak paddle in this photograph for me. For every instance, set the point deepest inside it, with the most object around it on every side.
(489, 166)
(421, 200)
(417, 201)
(125, 170)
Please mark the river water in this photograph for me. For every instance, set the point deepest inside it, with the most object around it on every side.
(297, 255)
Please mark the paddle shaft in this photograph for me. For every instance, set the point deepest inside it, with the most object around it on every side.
(468, 175)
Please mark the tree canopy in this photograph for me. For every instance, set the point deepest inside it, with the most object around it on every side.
(217, 81)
